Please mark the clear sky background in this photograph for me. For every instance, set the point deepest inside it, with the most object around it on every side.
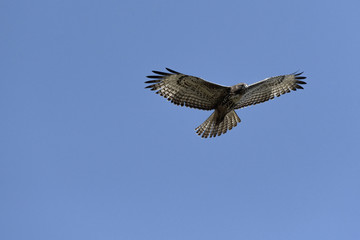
(88, 153)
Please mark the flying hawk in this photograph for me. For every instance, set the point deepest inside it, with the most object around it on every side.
(194, 92)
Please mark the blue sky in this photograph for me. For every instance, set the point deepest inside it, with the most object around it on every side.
(88, 153)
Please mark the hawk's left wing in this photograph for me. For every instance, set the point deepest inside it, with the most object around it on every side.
(269, 88)
(182, 89)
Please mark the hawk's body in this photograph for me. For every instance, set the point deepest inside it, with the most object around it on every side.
(195, 92)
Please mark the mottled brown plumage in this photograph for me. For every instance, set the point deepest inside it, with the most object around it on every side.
(194, 92)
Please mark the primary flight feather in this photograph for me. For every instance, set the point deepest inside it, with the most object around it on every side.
(194, 92)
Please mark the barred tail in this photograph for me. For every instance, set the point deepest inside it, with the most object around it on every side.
(213, 128)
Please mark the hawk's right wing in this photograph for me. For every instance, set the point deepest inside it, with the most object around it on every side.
(187, 90)
(269, 88)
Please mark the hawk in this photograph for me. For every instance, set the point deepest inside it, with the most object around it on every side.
(194, 92)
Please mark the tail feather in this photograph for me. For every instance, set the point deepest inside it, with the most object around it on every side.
(211, 128)
(221, 128)
(204, 128)
(226, 124)
(232, 122)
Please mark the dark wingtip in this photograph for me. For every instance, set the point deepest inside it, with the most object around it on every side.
(153, 81)
(298, 77)
(172, 71)
(153, 76)
(161, 73)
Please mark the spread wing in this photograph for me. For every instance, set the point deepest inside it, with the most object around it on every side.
(269, 88)
(187, 90)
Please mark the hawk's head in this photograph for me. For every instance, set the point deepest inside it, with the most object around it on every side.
(239, 88)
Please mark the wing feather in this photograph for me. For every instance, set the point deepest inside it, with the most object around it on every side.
(269, 88)
(186, 90)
